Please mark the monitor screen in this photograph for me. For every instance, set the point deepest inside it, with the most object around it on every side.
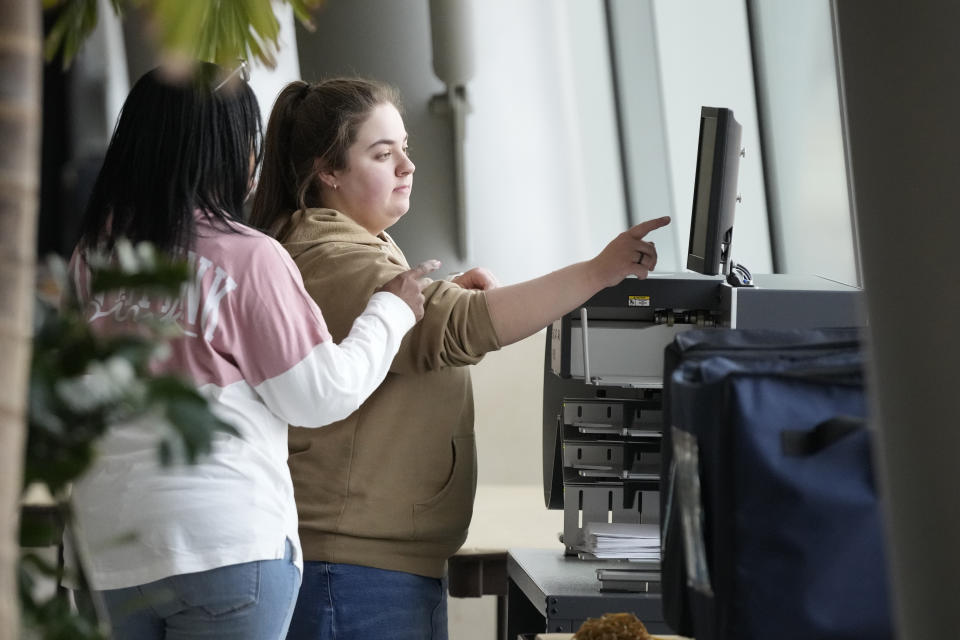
(714, 191)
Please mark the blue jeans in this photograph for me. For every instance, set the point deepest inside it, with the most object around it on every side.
(349, 602)
(249, 601)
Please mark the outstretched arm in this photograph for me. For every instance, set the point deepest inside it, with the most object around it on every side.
(520, 310)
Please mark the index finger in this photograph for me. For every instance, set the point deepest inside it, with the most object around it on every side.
(424, 268)
(642, 229)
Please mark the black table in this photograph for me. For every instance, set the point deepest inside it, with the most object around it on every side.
(547, 591)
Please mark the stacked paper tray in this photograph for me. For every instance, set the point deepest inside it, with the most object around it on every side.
(611, 463)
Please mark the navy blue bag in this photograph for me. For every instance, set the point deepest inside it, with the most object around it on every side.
(770, 509)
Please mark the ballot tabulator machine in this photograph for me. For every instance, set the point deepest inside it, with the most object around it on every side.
(603, 362)
(603, 368)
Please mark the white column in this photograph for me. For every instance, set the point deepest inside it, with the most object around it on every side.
(266, 82)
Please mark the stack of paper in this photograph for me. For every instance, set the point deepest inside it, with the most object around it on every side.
(622, 540)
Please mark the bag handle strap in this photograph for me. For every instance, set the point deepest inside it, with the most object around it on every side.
(804, 442)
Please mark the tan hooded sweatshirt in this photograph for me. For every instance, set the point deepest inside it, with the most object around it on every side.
(392, 485)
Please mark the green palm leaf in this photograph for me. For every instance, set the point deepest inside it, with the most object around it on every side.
(218, 31)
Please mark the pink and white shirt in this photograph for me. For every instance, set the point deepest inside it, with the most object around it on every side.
(255, 344)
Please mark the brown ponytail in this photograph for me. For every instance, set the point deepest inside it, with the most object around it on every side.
(310, 130)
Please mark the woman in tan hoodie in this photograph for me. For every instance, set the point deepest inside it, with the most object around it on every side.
(385, 496)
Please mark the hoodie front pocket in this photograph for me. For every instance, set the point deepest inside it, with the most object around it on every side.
(446, 515)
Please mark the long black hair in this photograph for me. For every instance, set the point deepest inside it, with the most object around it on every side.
(183, 143)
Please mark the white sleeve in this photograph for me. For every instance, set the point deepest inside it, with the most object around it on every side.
(333, 380)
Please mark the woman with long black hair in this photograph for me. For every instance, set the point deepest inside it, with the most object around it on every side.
(211, 549)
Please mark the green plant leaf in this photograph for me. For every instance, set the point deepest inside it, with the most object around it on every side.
(303, 10)
(218, 31)
(75, 20)
(164, 279)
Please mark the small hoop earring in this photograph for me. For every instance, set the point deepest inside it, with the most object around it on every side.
(335, 186)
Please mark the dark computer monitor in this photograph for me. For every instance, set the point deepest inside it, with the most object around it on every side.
(714, 192)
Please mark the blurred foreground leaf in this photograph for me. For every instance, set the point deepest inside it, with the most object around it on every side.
(220, 31)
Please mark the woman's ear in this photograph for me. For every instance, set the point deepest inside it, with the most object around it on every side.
(326, 176)
(328, 179)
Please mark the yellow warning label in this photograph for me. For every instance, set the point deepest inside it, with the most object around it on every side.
(638, 301)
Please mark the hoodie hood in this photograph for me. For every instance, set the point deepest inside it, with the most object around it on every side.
(310, 227)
